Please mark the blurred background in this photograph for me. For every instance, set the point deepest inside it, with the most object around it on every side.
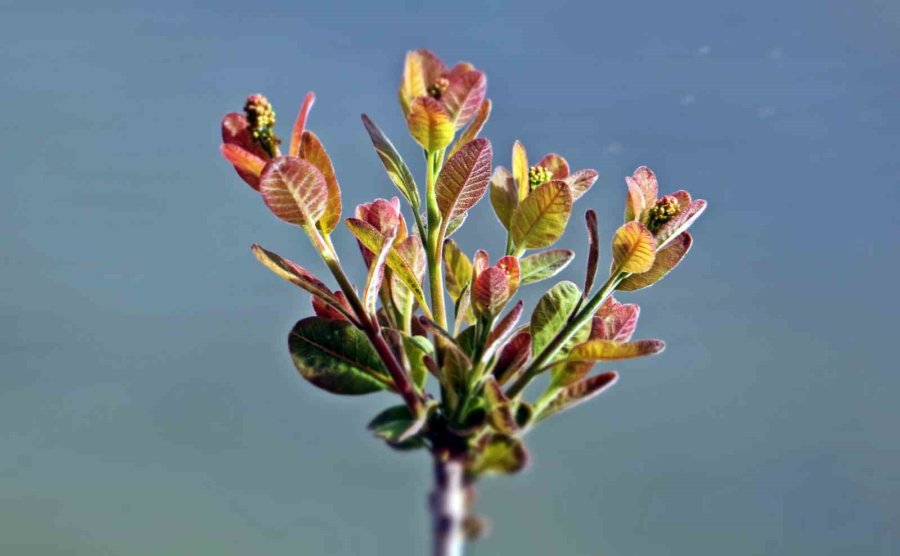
(147, 402)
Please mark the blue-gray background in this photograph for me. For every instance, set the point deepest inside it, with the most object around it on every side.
(147, 403)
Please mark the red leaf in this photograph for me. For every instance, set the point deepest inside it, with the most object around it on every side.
(294, 190)
(300, 123)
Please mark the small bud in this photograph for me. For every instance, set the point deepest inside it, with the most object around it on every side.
(664, 210)
(538, 175)
(436, 89)
(261, 122)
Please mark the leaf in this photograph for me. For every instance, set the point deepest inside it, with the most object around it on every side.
(513, 357)
(393, 163)
(311, 149)
(520, 170)
(243, 161)
(294, 190)
(500, 409)
(421, 69)
(411, 251)
(643, 190)
(578, 393)
(615, 321)
(590, 218)
(474, 128)
(633, 248)
(297, 275)
(235, 132)
(542, 217)
(666, 259)
(504, 195)
(397, 425)
(417, 348)
(580, 182)
(300, 126)
(510, 266)
(557, 165)
(609, 350)
(336, 357)
(457, 269)
(502, 330)
(682, 221)
(376, 271)
(490, 292)
(499, 453)
(464, 96)
(323, 309)
(429, 124)
(464, 179)
(372, 239)
(543, 265)
(565, 373)
(551, 314)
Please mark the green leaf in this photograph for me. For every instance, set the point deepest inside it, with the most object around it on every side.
(499, 453)
(551, 314)
(398, 427)
(500, 408)
(578, 393)
(464, 179)
(633, 248)
(336, 357)
(543, 265)
(542, 217)
(393, 163)
(294, 190)
(457, 269)
(429, 124)
(666, 259)
(504, 195)
(372, 240)
(417, 348)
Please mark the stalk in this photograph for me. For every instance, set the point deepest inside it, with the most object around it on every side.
(434, 247)
(448, 508)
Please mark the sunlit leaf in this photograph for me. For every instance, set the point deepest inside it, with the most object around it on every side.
(578, 393)
(557, 165)
(590, 219)
(615, 321)
(609, 350)
(245, 162)
(300, 125)
(294, 190)
(235, 132)
(421, 69)
(542, 217)
(504, 195)
(474, 128)
(393, 163)
(520, 169)
(510, 266)
(376, 271)
(633, 248)
(464, 96)
(490, 292)
(429, 124)
(464, 179)
(498, 453)
(580, 182)
(551, 314)
(643, 190)
(411, 251)
(543, 265)
(337, 357)
(457, 269)
(680, 223)
(666, 259)
(311, 149)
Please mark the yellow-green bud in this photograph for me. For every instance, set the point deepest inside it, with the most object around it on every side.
(260, 113)
(538, 175)
(664, 210)
(436, 89)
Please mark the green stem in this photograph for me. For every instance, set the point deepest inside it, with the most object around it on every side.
(576, 322)
(434, 247)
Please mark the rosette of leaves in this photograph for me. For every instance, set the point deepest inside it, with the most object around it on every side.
(460, 369)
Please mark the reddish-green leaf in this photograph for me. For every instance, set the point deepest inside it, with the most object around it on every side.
(543, 265)
(498, 453)
(581, 181)
(557, 165)
(542, 217)
(235, 132)
(681, 222)
(500, 408)
(633, 248)
(393, 163)
(421, 69)
(464, 96)
(311, 149)
(474, 128)
(490, 292)
(615, 321)
(337, 357)
(590, 219)
(504, 195)
(666, 259)
(502, 330)
(464, 179)
(294, 190)
(578, 393)
(429, 124)
(643, 190)
(243, 161)
(609, 350)
(300, 125)
(513, 357)
(457, 269)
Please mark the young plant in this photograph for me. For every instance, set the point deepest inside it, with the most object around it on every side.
(393, 332)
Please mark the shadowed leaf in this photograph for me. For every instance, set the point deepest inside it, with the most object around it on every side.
(417, 348)
(633, 248)
(464, 179)
(429, 124)
(542, 217)
(504, 195)
(294, 190)
(393, 163)
(457, 269)
(500, 408)
(336, 357)
(502, 330)
(235, 132)
(551, 313)
(376, 271)
(311, 149)
(245, 162)
(397, 425)
(578, 393)
(513, 357)
(543, 265)
(666, 259)
(474, 128)
(682, 221)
